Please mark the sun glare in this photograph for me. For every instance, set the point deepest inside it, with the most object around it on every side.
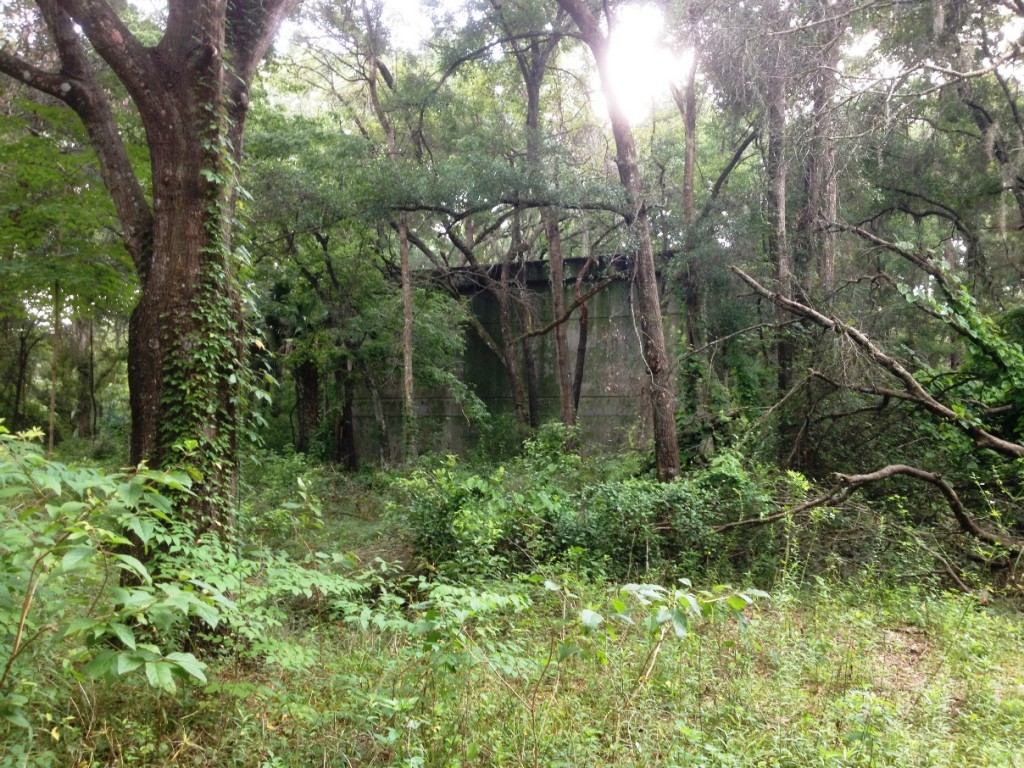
(641, 66)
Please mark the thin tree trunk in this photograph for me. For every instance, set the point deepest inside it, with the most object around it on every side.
(581, 342)
(565, 396)
(24, 353)
(530, 363)
(693, 289)
(508, 345)
(817, 239)
(307, 403)
(778, 243)
(409, 426)
(661, 385)
(374, 70)
(58, 319)
(344, 421)
(532, 59)
(85, 405)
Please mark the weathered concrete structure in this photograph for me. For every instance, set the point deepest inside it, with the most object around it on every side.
(613, 411)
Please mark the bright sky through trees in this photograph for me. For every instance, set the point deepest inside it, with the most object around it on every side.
(642, 66)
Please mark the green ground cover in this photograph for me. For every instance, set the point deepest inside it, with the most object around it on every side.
(321, 638)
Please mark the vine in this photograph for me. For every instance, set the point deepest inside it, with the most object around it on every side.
(209, 387)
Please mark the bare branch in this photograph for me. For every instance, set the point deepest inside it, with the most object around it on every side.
(912, 388)
(723, 176)
(967, 523)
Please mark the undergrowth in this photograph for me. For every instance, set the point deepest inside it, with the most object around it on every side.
(553, 625)
(499, 675)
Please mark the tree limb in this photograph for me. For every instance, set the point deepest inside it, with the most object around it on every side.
(600, 286)
(966, 522)
(912, 388)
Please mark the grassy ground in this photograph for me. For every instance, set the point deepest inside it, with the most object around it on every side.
(830, 676)
(505, 673)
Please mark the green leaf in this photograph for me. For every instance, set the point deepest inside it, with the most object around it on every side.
(102, 664)
(188, 664)
(566, 651)
(646, 593)
(680, 622)
(15, 715)
(132, 564)
(737, 602)
(129, 662)
(142, 527)
(81, 625)
(124, 633)
(160, 505)
(591, 619)
(160, 675)
(132, 491)
(75, 556)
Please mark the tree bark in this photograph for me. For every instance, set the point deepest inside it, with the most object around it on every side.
(307, 403)
(661, 388)
(191, 91)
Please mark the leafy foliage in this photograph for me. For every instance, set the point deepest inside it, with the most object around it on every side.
(550, 503)
(74, 602)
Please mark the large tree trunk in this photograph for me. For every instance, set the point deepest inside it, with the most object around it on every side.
(661, 385)
(185, 339)
(191, 89)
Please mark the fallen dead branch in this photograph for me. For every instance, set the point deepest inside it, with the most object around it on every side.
(847, 485)
(912, 389)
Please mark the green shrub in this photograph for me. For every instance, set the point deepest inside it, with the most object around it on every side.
(550, 502)
(74, 603)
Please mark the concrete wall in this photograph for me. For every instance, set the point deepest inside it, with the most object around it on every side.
(613, 408)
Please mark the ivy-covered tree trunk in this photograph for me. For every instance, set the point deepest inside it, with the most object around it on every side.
(186, 342)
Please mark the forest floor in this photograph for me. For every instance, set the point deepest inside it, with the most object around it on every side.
(503, 673)
(340, 648)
